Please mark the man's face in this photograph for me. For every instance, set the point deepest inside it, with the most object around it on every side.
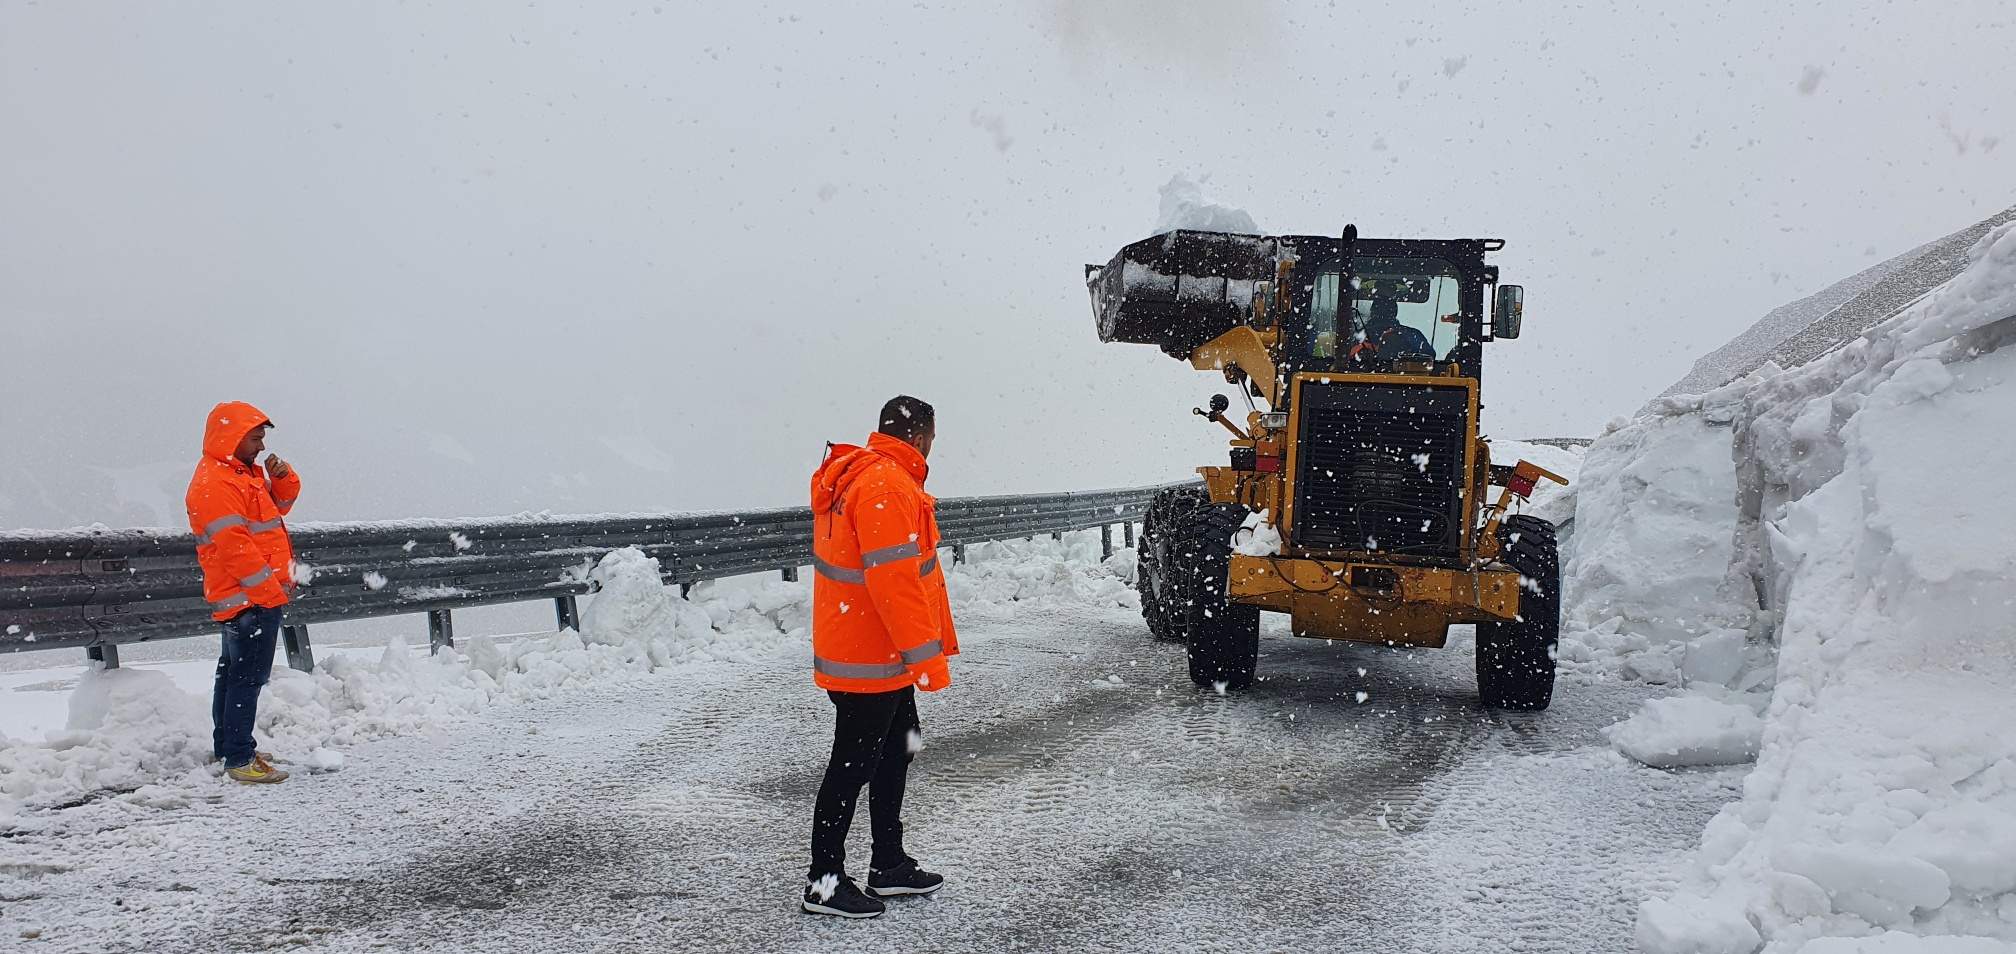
(249, 448)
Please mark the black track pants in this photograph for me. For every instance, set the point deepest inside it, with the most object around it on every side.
(873, 736)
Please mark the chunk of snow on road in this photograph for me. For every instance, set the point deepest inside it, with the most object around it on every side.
(1688, 731)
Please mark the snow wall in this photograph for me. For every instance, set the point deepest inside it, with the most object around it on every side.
(1826, 547)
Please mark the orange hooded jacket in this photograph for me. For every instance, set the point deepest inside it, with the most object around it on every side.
(880, 617)
(235, 511)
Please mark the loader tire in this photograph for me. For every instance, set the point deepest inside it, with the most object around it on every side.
(1515, 660)
(1161, 603)
(1223, 637)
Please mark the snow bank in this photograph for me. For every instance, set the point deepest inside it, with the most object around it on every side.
(1072, 570)
(133, 731)
(1648, 576)
(1873, 517)
(1897, 942)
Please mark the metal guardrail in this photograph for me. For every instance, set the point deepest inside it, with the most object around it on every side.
(99, 589)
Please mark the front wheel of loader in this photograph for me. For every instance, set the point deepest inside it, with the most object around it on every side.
(1224, 637)
(1515, 660)
(1154, 566)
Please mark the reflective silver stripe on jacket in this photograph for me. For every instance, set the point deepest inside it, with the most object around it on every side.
(838, 574)
(289, 502)
(235, 599)
(265, 525)
(255, 579)
(217, 526)
(847, 670)
(929, 650)
(929, 565)
(901, 551)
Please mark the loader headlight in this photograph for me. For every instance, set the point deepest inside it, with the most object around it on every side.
(1274, 420)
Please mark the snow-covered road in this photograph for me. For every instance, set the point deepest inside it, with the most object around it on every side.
(1069, 812)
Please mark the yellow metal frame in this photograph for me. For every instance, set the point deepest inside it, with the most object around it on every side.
(1417, 611)
(1249, 349)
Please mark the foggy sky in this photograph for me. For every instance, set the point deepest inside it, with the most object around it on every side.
(477, 258)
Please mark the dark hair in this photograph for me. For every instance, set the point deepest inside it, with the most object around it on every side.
(907, 418)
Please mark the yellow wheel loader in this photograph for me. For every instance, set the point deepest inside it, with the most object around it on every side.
(1355, 499)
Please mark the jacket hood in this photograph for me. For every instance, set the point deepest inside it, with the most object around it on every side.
(228, 424)
(845, 462)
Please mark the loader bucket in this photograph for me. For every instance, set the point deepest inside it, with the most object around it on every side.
(1180, 289)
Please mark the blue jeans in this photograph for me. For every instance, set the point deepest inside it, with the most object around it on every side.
(249, 638)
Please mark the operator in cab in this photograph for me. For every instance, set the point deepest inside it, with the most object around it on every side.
(1384, 340)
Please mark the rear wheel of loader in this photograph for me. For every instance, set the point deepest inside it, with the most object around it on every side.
(1155, 563)
(1515, 661)
(1224, 637)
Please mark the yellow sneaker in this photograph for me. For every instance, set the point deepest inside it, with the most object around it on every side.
(256, 772)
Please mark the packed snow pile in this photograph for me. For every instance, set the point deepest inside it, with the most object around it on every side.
(1258, 536)
(1691, 730)
(1869, 512)
(1184, 206)
(1649, 574)
(1000, 574)
(134, 731)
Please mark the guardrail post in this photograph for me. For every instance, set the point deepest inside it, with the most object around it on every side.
(1127, 533)
(106, 655)
(1106, 540)
(1058, 536)
(958, 553)
(568, 611)
(299, 654)
(440, 630)
(790, 574)
(685, 590)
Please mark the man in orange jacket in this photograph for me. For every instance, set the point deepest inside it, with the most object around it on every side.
(881, 624)
(235, 510)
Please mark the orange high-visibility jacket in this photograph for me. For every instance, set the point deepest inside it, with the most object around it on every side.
(235, 512)
(880, 617)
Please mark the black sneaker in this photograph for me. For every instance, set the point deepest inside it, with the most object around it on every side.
(905, 878)
(839, 896)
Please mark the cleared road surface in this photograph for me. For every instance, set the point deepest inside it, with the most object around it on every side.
(1068, 811)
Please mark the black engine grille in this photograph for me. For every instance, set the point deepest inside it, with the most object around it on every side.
(1380, 468)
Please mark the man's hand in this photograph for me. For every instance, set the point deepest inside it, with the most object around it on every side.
(277, 468)
(934, 675)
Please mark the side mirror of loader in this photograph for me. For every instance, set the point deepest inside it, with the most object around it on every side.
(1508, 311)
(1219, 403)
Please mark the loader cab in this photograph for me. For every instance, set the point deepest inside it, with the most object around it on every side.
(1387, 306)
